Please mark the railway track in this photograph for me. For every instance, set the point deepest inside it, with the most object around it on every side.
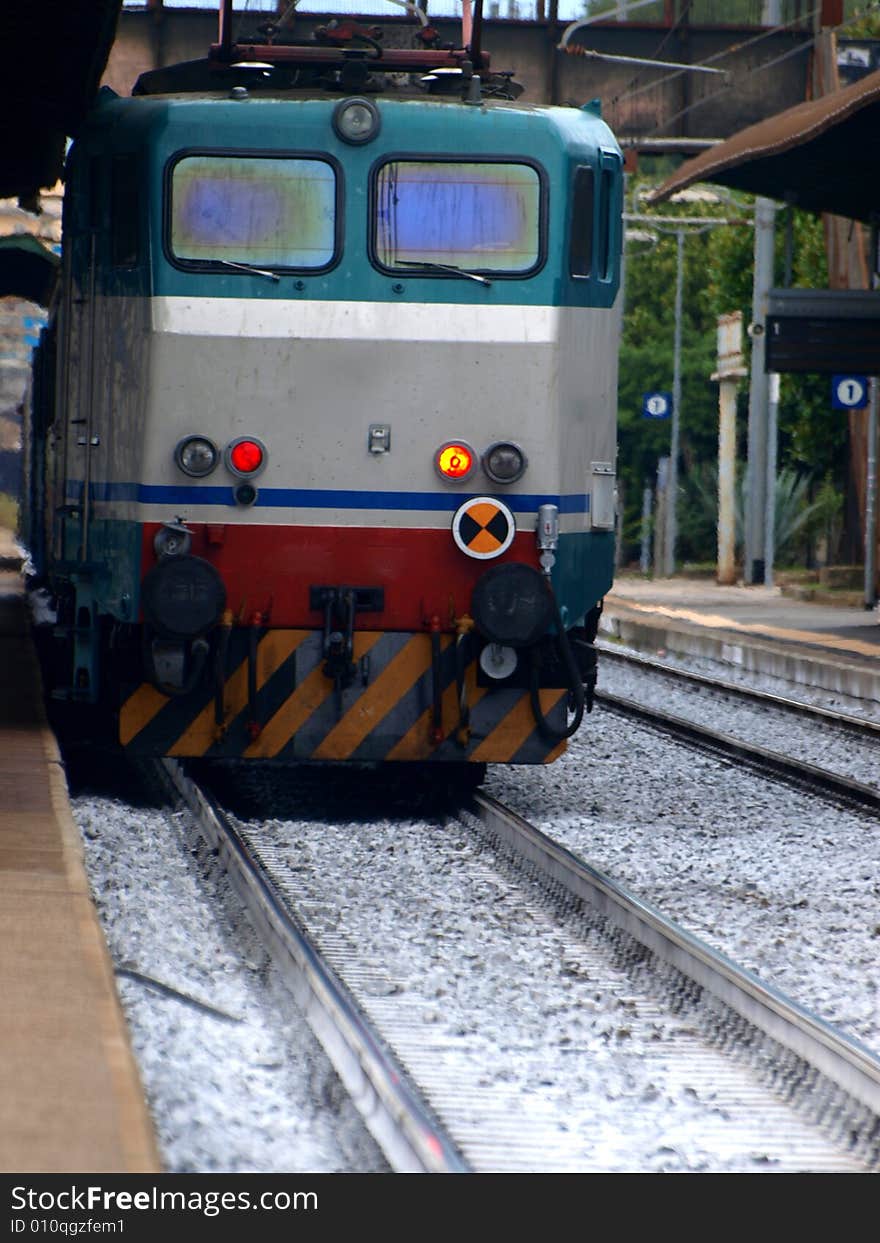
(395, 1116)
(616, 1020)
(768, 762)
(860, 727)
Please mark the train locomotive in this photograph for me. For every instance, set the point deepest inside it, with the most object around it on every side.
(321, 457)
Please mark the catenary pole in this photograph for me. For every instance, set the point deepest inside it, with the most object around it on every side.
(645, 550)
(770, 500)
(871, 496)
(760, 484)
(871, 465)
(672, 484)
(759, 394)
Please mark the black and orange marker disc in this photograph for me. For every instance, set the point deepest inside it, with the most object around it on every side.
(483, 527)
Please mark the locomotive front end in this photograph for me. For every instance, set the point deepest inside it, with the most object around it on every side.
(354, 499)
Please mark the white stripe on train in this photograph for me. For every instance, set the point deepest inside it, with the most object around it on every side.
(348, 321)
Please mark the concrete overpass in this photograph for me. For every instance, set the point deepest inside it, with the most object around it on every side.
(58, 53)
(767, 70)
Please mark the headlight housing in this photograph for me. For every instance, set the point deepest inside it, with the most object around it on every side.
(511, 605)
(356, 121)
(182, 597)
(504, 462)
(196, 456)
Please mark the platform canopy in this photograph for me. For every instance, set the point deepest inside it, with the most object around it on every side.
(53, 56)
(821, 155)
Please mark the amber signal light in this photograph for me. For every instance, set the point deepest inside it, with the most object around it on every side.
(455, 460)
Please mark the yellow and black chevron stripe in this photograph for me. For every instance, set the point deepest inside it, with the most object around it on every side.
(387, 714)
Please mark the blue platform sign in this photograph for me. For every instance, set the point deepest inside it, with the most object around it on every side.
(656, 405)
(849, 392)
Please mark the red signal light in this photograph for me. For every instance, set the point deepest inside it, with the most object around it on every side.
(455, 460)
(246, 456)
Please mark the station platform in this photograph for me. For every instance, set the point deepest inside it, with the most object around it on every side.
(756, 629)
(70, 1094)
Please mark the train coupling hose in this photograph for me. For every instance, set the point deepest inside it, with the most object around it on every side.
(577, 696)
(464, 627)
(221, 650)
(436, 683)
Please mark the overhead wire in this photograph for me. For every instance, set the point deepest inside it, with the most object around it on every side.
(626, 96)
(757, 68)
(679, 21)
(705, 99)
(728, 51)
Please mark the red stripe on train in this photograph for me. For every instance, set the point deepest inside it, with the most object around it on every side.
(271, 568)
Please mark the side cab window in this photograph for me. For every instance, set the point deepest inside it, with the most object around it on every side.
(124, 211)
(106, 212)
(580, 249)
(84, 199)
(594, 241)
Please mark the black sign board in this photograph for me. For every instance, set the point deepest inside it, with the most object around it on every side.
(828, 331)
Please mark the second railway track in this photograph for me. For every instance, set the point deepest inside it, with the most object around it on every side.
(737, 742)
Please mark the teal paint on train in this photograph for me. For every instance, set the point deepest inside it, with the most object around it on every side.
(155, 130)
(583, 572)
(114, 546)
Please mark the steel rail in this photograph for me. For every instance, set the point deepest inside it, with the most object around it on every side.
(392, 1110)
(868, 730)
(846, 1062)
(796, 772)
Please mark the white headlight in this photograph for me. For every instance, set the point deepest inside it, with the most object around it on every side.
(356, 120)
(498, 661)
(504, 462)
(196, 455)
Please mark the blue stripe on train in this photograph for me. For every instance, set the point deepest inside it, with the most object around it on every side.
(309, 498)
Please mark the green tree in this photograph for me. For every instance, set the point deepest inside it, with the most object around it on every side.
(796, 517)
(861, 21)
(812, 439)
(647, 349)
(718, 271)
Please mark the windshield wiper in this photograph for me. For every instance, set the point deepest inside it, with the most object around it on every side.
(246, 267)
(445, 267)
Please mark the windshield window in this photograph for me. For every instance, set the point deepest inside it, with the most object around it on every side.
(482, 216)
(266, 212)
